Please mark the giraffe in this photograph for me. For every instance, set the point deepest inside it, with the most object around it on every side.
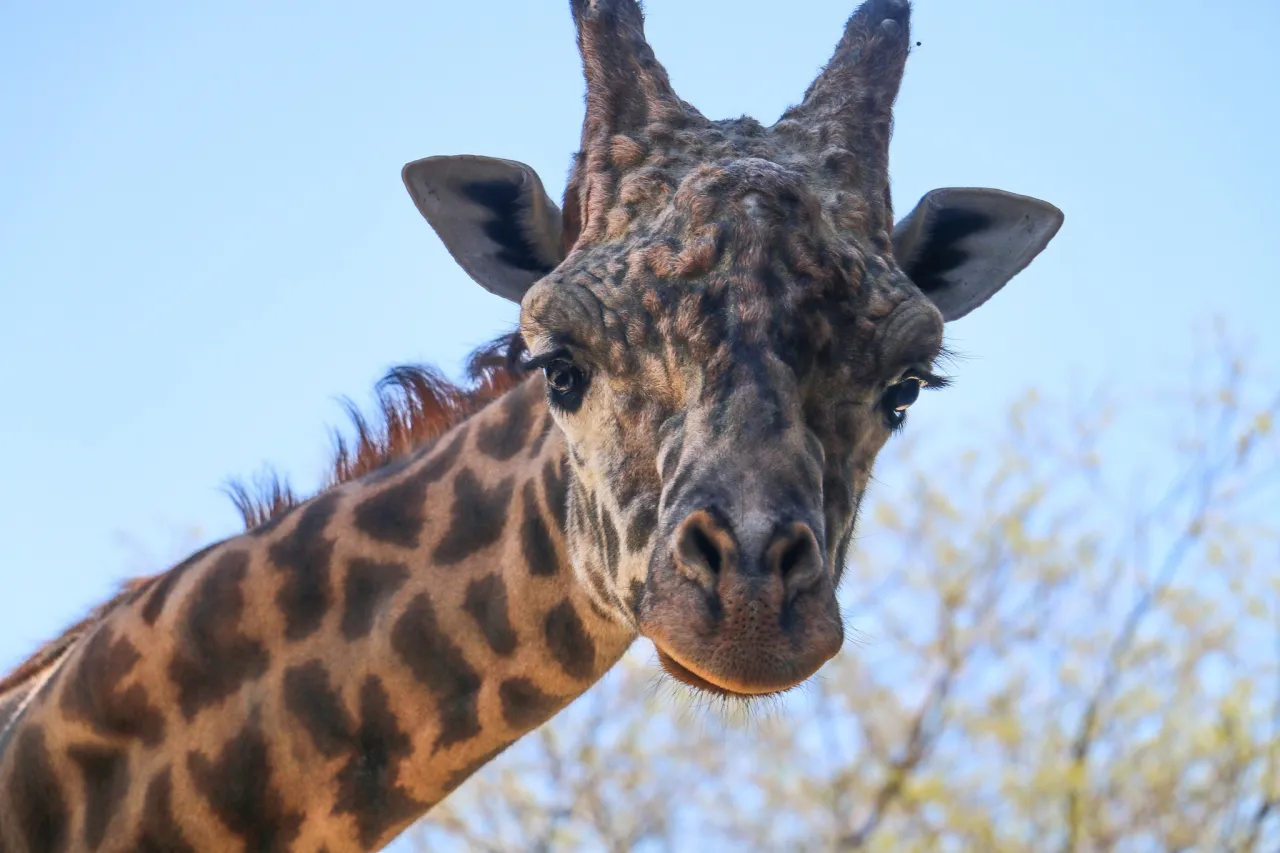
(719, 329)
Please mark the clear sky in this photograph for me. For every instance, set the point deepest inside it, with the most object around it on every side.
(204, 240)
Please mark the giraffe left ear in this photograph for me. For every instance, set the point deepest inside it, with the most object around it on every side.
(493, 216)
(961, 245)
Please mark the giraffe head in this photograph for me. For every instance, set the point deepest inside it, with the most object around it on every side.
(730, 326)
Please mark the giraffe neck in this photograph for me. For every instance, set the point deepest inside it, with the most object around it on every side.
(322, 681)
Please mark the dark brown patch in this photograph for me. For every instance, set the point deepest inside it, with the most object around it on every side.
(628, 484)
(159, 832)
(548, 424)
(164, 586)
(601, 614)
(397, 514)
(640, 528)
(524, 705)
(93, 694)
(467, 770)
(368, 586)
(487, 603)
(36, 799)
(568, 641)
(535, 541)
(105, 774)
(586, 513)
(478, 516)
(211, 658)
(310, 698)
(585, 509)
(555, 486)
(635, 597)
(505, 438)
(603, 592)
(368, 784)
(305, 558)
(368, 787)
(610, 541)
(440, 667)
(238, 787)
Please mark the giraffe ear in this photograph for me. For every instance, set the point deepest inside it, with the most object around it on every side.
(961, 245)
(493, 216)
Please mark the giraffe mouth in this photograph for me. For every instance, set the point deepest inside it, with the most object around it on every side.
(718, 686)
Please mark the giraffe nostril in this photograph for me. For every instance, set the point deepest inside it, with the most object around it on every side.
(794, 556)
(705, 549)
(702, 548)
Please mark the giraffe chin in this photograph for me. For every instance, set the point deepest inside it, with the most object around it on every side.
(724, 687)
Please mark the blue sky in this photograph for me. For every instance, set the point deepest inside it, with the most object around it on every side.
(204, 240)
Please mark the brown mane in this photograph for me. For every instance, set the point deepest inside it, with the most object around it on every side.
(416, 404)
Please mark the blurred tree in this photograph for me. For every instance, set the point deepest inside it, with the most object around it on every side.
(1052, 648)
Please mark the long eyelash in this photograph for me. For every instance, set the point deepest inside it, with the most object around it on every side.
(946, 355)
(932, 381)
(540, 361)
(899, 422)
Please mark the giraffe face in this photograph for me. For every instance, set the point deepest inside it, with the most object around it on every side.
(730, 327)
(725, 368)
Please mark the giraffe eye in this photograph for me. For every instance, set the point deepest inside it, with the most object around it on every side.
(565, 383)
(898, 398)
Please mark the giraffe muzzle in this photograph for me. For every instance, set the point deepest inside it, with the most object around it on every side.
(742, 609)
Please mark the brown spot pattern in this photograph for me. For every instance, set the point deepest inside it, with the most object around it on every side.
(439, 666)
(309, 697)
(478, 517)
(486, 602)
(93, 693)
(164, 585)
(555, 486)
(368, 587)
(569, 642)
(548, 424)
(640, 528)
(212, 658)
(238, 787)
(524, 705)
(505, 438)
(104, 772)
(635, 596)
(467, 770)
(159, 832)
(304, 556)
(37, 798)
(368, 783)
(397, 514)
(535, 542)
(610, 541)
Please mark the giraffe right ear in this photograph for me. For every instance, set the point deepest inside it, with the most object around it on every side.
(960, 245)
(493, 216)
